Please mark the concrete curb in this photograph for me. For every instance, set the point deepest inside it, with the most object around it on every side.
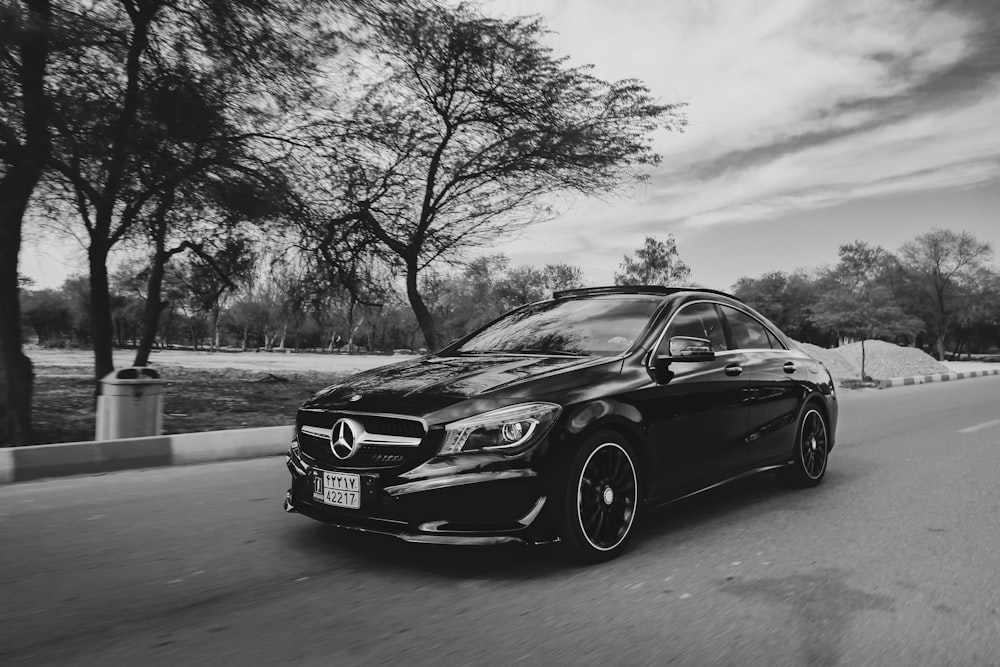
(20, 464)
(940, 377)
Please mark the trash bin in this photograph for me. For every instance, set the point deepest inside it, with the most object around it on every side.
(130, 404)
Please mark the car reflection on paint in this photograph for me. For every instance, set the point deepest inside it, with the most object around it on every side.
(565, 420)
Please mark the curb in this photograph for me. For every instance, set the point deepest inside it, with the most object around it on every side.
(21, 464)
(940, 377)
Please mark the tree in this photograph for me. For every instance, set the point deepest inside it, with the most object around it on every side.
(563, 276)
(787, 299)
(655, 263)
(47, 313)
(462, 128)
(859, 301)
(945, 276)
(26, 30)
(148, 101)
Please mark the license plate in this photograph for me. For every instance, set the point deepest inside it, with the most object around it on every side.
(340, 489)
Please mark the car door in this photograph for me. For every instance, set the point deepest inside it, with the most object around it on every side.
(775, 390)
(698, 417)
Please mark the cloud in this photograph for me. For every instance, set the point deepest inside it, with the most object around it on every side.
(799, 103)
(794, 106)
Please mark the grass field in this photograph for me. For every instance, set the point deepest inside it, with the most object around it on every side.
(203, 391)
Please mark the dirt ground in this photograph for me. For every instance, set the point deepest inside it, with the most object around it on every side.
(203, 391)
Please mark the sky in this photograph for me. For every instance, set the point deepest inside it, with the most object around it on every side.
(812, 123)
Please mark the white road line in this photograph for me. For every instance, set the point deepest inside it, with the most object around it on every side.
(979, 427)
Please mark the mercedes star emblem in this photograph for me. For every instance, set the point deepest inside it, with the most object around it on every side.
(344, 438)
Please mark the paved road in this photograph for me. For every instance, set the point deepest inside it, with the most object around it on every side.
(893, 561)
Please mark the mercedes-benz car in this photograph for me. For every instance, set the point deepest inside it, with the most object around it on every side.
(564, 421)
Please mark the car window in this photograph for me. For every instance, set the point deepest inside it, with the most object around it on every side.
(748, 333)
(597, 326)
(697, 320)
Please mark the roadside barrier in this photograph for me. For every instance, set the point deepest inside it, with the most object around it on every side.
(21, 464)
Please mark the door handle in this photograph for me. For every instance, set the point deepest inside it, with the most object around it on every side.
(733, 370)
(789, 367)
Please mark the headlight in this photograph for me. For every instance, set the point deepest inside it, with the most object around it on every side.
(511, 428)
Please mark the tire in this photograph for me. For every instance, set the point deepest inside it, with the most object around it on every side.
(811, 450)
(601, 498)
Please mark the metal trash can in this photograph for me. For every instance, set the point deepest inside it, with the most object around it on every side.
(130, 404)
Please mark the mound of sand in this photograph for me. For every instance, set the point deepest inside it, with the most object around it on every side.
(885, 360)
(839, 367)
(882, 360)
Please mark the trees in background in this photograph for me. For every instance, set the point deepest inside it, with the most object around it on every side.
(159, 101)
(460, 129)
(788, 300)
(275, 302)
(940, 289)
(858, 301)
(947, 280)
(655, 263)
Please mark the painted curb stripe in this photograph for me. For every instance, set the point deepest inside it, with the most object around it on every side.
(6, 465)
(943, 377)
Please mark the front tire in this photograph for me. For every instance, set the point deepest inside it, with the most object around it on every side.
(601, 498)
(812, 449)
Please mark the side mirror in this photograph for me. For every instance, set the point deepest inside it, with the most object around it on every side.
(681, 349)
(688, 348)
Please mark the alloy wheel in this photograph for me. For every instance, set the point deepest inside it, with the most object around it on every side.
(606, 497)
(813, 445)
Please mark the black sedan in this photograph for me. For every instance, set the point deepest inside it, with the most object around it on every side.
(565, 420)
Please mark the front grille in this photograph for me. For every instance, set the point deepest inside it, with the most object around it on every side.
(391, 425)
(370, 456)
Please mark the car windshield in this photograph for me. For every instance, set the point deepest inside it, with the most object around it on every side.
(595, 326)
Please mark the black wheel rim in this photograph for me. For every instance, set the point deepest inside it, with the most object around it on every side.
(606, 497)
(813, 445)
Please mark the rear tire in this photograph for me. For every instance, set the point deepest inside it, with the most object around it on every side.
(812, 450)
(601, 498)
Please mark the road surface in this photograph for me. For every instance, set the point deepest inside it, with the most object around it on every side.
(894, 560)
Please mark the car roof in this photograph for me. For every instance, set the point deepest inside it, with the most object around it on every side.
(635, 289)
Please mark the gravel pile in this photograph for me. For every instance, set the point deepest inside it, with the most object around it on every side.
(882, 360)
(839, 367)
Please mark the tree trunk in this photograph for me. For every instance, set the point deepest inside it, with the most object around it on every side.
(16, 377)
(216, 318)
(939, 346)
(101, 330)
(152, 311)
(420, 310)
(21, 175)
(864, 376)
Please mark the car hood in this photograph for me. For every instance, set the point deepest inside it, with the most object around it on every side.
(434, 382)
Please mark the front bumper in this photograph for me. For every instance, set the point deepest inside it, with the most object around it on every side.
(463, 500)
